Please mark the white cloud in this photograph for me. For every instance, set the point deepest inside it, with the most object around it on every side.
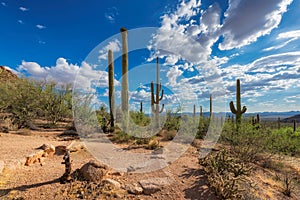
(20, 21)
(3, 4)
(64, 72)
(39, 26)
(23, 9)
(115, 46)
(246, 21)
(290, 35)
(172, 75)
(111, 14)
(141, 95)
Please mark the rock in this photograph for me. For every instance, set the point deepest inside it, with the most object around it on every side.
(135, 189)
(93, 171)
(153, 185)
(115, 184)
(43, 151)
(116, 173)
(1, 166)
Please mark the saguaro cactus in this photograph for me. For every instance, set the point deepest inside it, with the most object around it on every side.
(141, 107)
(194, 111)
(238, 111)
(124, 94)
(155, 100)
(210, 106)
(111, 88)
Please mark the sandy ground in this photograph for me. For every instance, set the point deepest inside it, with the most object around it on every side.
(17, 181)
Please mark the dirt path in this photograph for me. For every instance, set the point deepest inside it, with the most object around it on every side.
(17, 181)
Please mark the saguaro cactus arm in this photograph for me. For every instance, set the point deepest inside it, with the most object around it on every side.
(232, 108)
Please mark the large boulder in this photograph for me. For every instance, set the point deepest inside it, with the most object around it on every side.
(93, 171)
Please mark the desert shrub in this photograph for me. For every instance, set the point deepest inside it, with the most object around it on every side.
(26, 100)
(153, 144)
(285, 141)
(204, 123)
(56, 102)
(103, 118)
(226, 175)
(122, 137)
(172, 120)
(139, 118)
(21, 99)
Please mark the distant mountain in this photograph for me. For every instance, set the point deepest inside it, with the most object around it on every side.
(6, 75)
(291, 119)
(263, 115)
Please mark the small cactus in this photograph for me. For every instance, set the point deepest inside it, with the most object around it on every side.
(238, 111)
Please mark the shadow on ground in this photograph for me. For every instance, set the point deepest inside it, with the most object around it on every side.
(199, 189)
(4, 192)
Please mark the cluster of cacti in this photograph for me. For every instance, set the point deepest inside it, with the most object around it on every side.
(111, 93)
(155, 99)
(226, 175)
(238, 111)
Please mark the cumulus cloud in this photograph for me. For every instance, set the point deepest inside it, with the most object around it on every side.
(141, 95)
(115, 46)
(172, 75)
(39, 26)
(3, 4)
(85, 76)
(20, 21)
(245, 21)
(23, 9)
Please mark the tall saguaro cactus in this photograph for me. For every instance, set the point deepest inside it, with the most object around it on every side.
(238, 111)
(210, 106)
(124, 94)
(111, 88)
(155, 100)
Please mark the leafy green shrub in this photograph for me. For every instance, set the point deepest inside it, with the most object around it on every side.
(26, 100)
(139, 118)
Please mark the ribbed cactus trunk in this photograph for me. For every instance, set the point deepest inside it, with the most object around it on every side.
(201, 122)
(111, 88)
(194, 111)
(210, 106)
(124, 94)
(155, 100)
(238, 111)
(201, 113)
(141, 107)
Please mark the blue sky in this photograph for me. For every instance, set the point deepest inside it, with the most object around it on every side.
(204, 46)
